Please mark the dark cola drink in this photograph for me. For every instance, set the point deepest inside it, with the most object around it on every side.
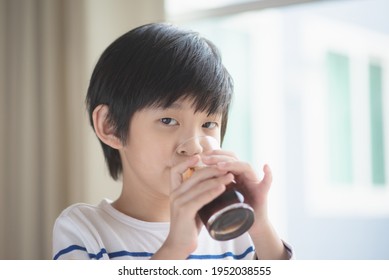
(227, 216)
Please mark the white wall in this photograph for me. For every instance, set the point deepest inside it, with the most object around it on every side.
(105, 21)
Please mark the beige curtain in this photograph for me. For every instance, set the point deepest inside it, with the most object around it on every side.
(44, 71)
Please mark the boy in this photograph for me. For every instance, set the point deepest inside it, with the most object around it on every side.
(152, 88)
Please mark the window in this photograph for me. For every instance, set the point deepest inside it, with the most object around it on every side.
(311, 99)
(346, 155)
(377, 124)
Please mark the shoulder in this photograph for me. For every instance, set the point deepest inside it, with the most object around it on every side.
(79, 209)
(76, 232)
(74, 216)
(83, 218)
(82, 211)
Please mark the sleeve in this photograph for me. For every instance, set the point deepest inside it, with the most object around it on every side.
(289, 250)
(67, 241)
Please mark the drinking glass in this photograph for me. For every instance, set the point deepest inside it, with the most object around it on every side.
(227, 216)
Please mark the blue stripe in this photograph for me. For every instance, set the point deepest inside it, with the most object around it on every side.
(68, 250)
(132, 254)
(146, 254)
(76, 247)
(222, 256)
(99, 255)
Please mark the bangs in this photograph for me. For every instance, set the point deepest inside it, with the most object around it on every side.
(210, 102)
(189, 67)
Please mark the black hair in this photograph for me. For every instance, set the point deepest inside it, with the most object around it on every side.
(155, 65)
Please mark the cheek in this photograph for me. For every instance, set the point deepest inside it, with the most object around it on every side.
(159, 150)
(151, 156)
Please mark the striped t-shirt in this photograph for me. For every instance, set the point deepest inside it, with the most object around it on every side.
(84, 231)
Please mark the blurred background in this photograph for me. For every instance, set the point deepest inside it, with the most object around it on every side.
(311, 100)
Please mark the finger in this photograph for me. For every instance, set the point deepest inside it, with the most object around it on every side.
(268, 176)
(208, 175)
(214, 159)
(204, 186)
(199, 195)
(240, 169)
(193, 205)
(221, 152)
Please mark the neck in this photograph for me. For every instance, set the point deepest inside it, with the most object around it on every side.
(140, 204)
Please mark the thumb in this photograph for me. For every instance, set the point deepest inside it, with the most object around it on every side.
(268, 176)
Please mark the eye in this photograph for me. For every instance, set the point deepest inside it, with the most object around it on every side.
(169, 121)
(210, 125)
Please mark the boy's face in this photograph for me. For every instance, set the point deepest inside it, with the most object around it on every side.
(154, 135)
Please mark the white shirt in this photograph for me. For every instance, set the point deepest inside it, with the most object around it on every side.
(84, 231)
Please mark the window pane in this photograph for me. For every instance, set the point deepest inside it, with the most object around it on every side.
(339, 118)
(376, 121)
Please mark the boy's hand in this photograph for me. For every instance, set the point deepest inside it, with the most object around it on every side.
(253, 189)
(186, 199)
(267, 243)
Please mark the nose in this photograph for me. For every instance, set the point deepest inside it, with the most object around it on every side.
(197, 145)
(190, 147)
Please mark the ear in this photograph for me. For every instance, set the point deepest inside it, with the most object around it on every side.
(103, 128)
